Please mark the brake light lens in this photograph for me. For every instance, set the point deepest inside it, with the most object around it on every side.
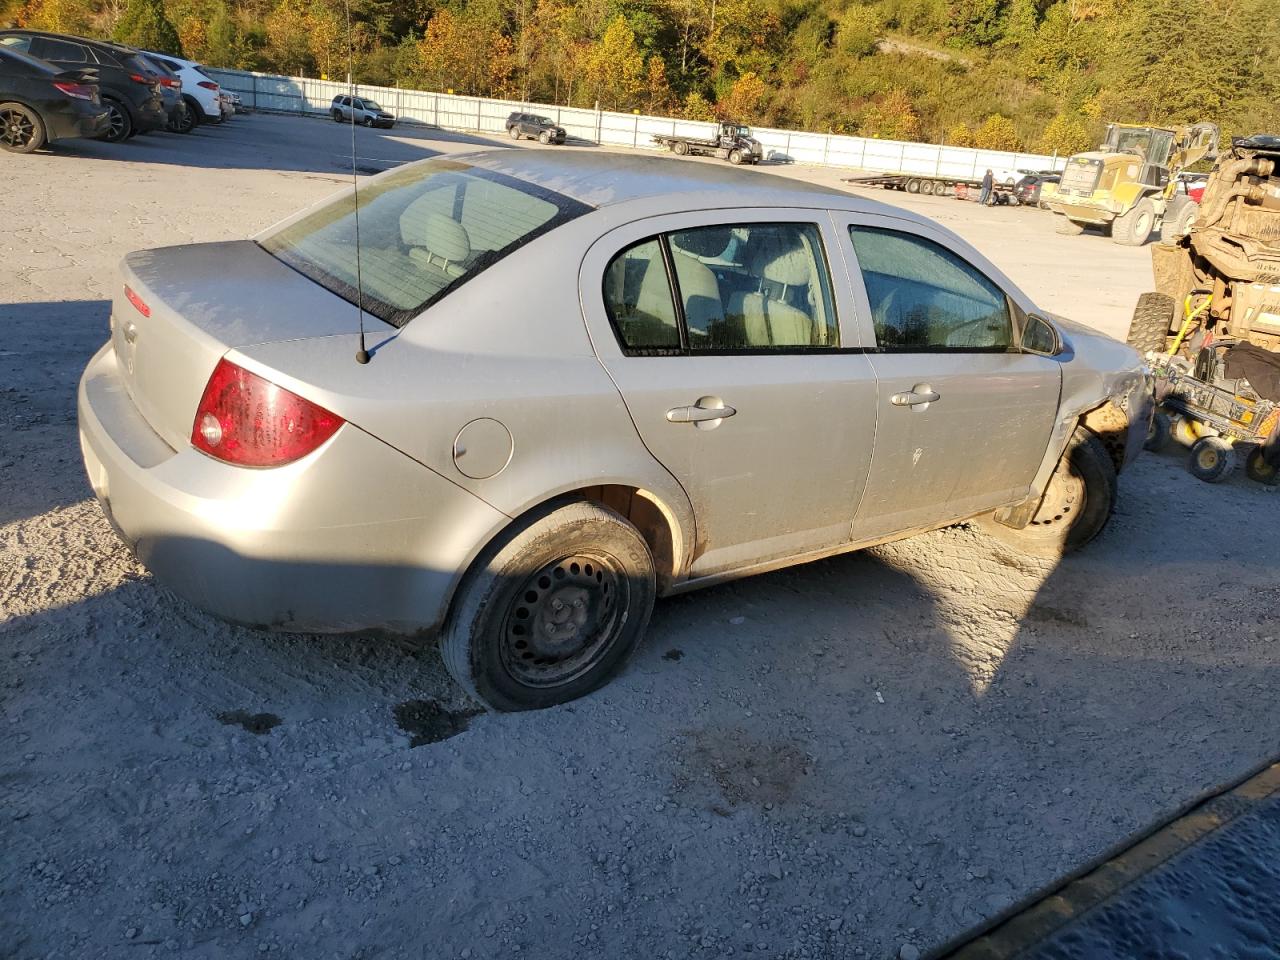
(246, 420)
(208, 85)
(138, 303)
(81, 91)
(170, 82)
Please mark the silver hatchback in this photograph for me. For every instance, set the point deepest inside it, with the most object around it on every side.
(592, 380)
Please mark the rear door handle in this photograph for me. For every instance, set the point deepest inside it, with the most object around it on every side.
(706, 413)
(920, 395)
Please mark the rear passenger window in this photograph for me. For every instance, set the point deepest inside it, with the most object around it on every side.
(737, 288)
(22, 44)
(48, 49)
(926, 298)
(637, 295)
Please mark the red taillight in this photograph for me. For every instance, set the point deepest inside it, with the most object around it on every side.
(170, 82)
(208, 85)
(138, 303)
(81, 91)
(139, 78)
(250, 422)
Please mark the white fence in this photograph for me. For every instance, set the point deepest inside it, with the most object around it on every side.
(301, 95)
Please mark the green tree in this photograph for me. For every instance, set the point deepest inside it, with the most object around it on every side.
(746, 99)
(1064, 136)
(892, 117)
(615, 66)
(145, 25)
(58, 16)
(698, 107)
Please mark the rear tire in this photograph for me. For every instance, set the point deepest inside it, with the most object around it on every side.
(927, 188)
(1133, 229)
(190, 119)
(121, 123)
(680, 148)
(1257, 469)
(913, 185)
(1159, 434)
(1152, 320)
(552, 610)
(21, 129)
(1076, 506)
(1178, 219)
(1070, 228)
(1212, 460)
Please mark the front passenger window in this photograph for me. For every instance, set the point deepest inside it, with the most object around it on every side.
(925, 297)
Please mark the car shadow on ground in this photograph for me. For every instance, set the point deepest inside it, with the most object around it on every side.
(43, 348)
(262, 141)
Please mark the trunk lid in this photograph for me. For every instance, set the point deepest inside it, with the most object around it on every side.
(196, 302)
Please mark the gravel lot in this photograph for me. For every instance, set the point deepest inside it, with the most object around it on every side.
(856, 757)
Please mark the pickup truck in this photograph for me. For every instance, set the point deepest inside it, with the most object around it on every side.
(733, 142)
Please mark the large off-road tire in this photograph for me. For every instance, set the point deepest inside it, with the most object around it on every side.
(552, 610)
(1069, 228)
(1076, 506)
(1178, 219)
(1212, 460)
(21, 129)
(1133, 229)
(1151, 323)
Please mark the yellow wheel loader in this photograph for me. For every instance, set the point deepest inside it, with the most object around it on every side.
(1127, 186)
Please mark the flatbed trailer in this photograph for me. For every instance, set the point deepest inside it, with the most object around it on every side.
(733, 142)
(931, 185)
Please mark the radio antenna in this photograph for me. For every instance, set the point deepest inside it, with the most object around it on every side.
(362, 355)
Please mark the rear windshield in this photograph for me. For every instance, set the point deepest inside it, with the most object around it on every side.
(424, 230)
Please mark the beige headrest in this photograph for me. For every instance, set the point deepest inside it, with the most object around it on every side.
(437, 234)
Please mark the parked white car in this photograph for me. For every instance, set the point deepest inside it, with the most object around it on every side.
(199, 90)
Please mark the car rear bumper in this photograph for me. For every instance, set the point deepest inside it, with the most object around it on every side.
(150, 116)
(355, 536)
(78, 121)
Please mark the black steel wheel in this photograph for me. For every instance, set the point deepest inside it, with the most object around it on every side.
(1077, 503)
(121, 124)
(21, 130)
(552, 610)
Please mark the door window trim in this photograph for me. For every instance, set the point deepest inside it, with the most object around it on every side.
(847, 220)
(673, 285)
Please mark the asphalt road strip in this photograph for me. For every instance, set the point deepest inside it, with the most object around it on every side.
(1204, 881)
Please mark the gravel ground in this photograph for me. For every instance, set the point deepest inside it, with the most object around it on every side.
(858, 757)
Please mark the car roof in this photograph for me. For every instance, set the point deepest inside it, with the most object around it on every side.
(602, 178)
(101, 44)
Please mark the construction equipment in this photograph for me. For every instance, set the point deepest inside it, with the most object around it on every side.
(1128, 184)
(1211, 329)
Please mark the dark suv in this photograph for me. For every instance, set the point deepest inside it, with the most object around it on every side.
(542, 129)
(129, 87)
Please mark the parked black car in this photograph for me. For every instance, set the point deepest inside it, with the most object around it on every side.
(40, 103)
(175, 107)
(1027, 190)
(542, 129)
(130, 90)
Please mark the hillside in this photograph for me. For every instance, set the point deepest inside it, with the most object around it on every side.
(1035, 74)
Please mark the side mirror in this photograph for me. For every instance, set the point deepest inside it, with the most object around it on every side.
(1040, 336)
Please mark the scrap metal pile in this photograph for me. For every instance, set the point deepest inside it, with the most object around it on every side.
(1211, 331)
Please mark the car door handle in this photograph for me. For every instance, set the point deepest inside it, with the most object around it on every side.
(703, 412)
(918, 396)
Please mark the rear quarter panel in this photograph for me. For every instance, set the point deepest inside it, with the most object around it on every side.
(510, 345)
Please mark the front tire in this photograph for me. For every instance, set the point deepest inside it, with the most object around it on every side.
(544, 138)
(551, 611)
(21, 129)
(1077, 503)
(735, 157)
(1070, 228)
(1133, 229)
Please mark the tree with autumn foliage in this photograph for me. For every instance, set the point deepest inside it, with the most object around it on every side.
(615, 67)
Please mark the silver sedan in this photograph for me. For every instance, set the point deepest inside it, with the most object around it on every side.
(591, 380)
